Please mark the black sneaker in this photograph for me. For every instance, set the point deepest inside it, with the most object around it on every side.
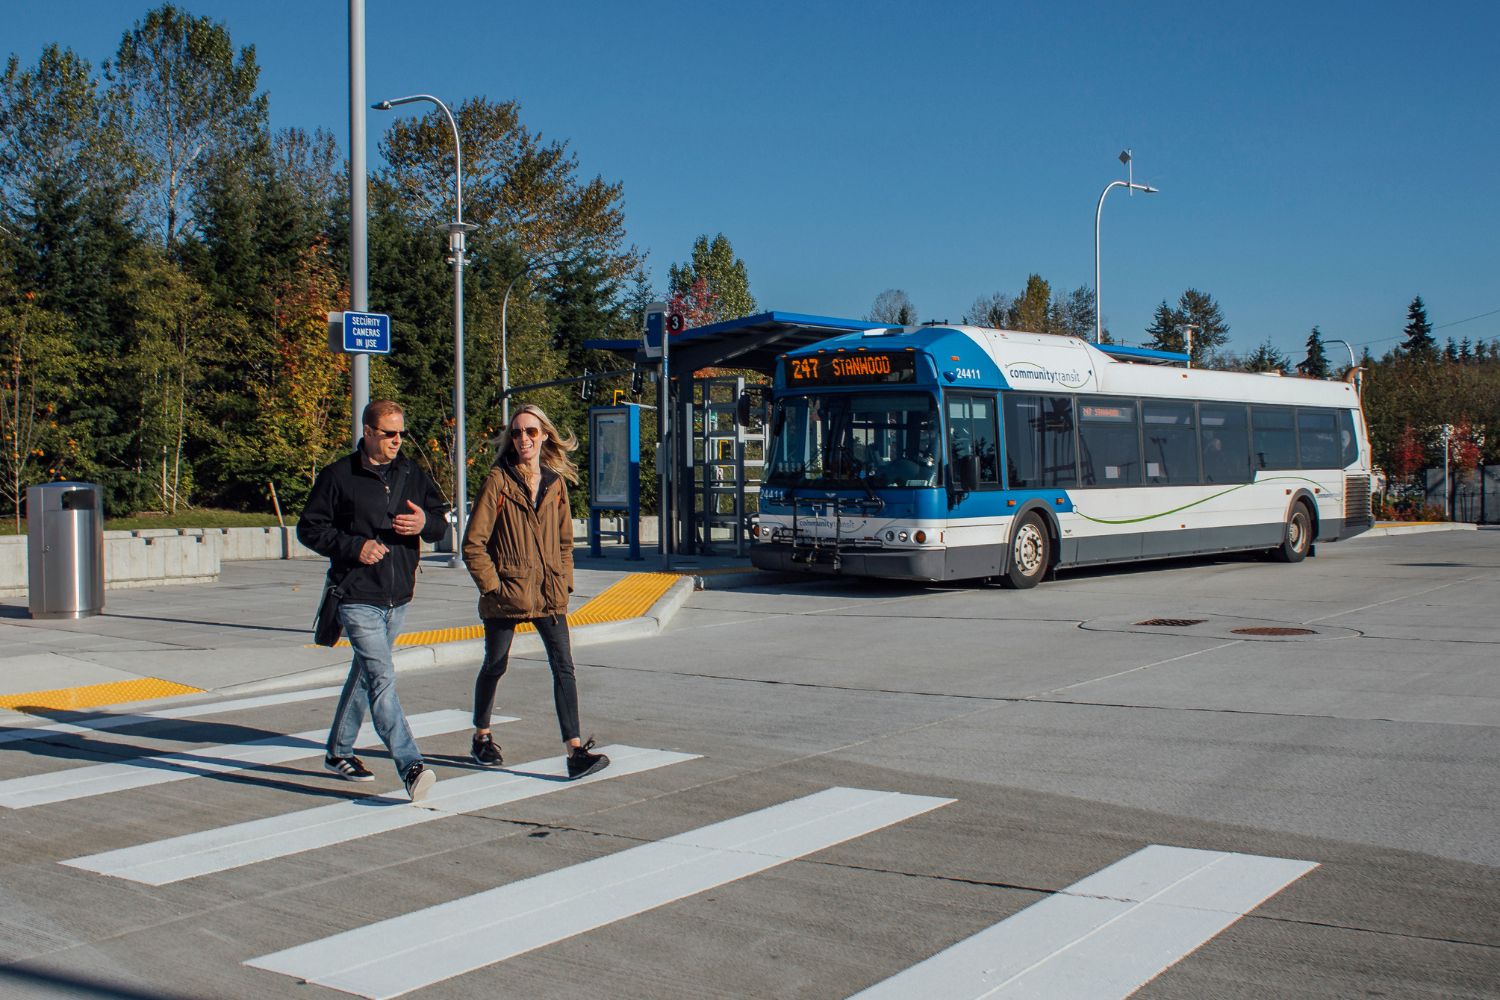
(349, 768)
(485, 751)
(581, 762)
(419, 781)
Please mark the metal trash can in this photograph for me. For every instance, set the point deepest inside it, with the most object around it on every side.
(65, 550)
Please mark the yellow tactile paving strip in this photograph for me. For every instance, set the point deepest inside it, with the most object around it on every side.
(95, 695)
(630, 597)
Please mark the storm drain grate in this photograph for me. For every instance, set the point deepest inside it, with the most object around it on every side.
(1273, 630)
(1173, 622)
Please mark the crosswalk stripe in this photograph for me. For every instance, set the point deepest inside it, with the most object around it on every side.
(1105, 936)
(196, 854)
(98, 722)
(97, 779)
(428, 946)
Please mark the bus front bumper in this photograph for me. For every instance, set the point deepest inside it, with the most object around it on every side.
(893, 564)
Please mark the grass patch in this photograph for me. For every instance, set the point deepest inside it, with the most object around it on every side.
(199, 518)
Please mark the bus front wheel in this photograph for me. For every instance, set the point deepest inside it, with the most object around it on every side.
(1030, 554)
(1296, 538)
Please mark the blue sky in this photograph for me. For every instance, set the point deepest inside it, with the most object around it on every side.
(1319, 163)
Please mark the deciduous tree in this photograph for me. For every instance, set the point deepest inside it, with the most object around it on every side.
(893, 307)
(192, 102)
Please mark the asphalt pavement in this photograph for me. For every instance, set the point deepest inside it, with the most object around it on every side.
(1204, 778)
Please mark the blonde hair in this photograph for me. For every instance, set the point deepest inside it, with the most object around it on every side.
(554, 450)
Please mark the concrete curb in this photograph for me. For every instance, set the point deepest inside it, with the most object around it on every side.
(469, 652)
(1386, 530)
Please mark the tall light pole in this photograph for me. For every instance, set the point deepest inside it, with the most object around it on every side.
(504, 351)
(1133, 186)
(456, 230)
(359, 271)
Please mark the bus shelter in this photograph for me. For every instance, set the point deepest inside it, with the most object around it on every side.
(709, 461)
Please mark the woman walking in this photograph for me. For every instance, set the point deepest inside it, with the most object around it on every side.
(519, 550)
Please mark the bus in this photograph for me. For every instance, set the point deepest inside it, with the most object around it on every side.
(954, 453)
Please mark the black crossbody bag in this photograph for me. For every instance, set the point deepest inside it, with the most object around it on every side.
(327, 629)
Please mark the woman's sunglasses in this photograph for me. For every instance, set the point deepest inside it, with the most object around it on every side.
(531, 432)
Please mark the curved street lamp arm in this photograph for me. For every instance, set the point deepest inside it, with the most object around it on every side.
(458, 155)
(1098, 212)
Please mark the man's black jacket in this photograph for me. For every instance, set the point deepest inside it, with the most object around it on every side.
(349, 504)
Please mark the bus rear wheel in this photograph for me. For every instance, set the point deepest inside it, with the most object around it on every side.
(1296, 537)
(1030, 555)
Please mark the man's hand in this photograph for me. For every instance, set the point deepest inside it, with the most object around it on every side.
(372, 552)
(411, 523)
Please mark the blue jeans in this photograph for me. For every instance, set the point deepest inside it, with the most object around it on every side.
(371, 629)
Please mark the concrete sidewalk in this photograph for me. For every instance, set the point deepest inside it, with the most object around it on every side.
(251, 630)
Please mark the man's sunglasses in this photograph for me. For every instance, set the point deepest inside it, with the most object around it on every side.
(387, 434)
(531, 432)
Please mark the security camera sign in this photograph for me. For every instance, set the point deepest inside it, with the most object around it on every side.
(363, 333)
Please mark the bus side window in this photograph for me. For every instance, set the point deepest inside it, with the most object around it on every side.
(1274, 441)
(1059, 451)
(1109, 442)
(1348, 440)
(1171, 442)
(1224, 430)
(1023, 437)
(971, 432)
(1318, 440)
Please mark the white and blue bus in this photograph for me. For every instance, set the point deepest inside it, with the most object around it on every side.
(950, 453)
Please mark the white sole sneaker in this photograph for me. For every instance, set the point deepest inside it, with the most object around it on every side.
(419, 788)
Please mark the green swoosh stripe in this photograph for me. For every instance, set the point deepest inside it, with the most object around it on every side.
(1174, 510)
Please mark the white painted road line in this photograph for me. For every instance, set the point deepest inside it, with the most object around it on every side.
(95, 723)
(242, 844)
(1103, 937)
(97, 779)
(406, 953)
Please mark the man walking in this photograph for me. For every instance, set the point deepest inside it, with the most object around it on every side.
(366, 514)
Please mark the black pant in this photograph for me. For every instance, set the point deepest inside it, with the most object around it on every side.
(553, 629)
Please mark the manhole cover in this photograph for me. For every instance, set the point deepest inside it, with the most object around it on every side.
(1173, 622)
(1273, 630)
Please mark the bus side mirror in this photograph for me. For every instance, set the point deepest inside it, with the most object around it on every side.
(968, 473)
(742, 410)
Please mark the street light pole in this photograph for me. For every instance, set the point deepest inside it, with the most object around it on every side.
(504, 351)
(456, 230)
(1099, 211)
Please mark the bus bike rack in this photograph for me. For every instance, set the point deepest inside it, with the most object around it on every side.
(834, 547)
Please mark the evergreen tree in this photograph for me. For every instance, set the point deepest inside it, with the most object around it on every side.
(1032, 311)
(728, 282)
(1315, 365)
(1266, 358)
(1166, 330)
(1419, 344)
(1169, 326)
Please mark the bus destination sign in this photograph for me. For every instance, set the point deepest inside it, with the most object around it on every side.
(862, 368)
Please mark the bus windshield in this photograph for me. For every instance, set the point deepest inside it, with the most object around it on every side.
(856, 440)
